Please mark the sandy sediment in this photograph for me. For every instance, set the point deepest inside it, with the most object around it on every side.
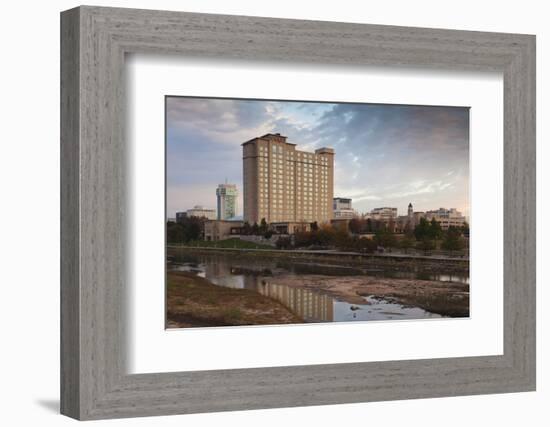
(445, 298)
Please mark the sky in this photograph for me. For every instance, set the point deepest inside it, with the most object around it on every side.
(385, 155)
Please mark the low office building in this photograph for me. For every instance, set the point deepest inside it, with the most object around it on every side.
(221, 230)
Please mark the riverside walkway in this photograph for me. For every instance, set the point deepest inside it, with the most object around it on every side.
(329, 252)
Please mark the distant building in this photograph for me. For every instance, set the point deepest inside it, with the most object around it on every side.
(342, 209)
(282, 184)
(227, 201)
(384, 214)
(341, 203)
(405, 223)
(446, 217)
(201, 212)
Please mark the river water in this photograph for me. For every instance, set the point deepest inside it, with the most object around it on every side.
(260, 275)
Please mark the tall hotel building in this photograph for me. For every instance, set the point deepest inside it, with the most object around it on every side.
(282, 184)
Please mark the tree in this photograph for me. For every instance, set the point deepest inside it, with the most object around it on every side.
(364, 245)
(369, 225)
(283, 242)
(355, 226)
(303, 238)
(408, 229)
(326, 235)
(342, 239)
(263, 226)
(453, 240)
(422, 230)
(378, 226)
(255, 229)
(174, 232)
(185, 230)
(435, 229)
(193, 227)
(426, 245)
(407, 242)
(385, 239)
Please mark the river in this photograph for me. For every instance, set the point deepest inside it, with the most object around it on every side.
(260, 275)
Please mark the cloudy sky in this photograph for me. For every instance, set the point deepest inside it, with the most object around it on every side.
(386, 155)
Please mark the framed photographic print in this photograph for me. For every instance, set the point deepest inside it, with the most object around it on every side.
(279, 239)
(262, 213)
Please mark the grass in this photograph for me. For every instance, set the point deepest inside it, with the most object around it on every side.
(195, 302)
(227, 244)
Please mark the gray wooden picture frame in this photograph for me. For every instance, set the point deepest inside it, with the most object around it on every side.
(94, 41)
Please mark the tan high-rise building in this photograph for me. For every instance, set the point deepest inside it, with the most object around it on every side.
(282, 184)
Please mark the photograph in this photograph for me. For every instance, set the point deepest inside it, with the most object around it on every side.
(291, 212)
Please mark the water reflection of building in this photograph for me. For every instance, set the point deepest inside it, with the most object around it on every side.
(222, 274)
(310, 306)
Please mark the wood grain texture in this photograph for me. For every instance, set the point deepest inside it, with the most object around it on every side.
(94, 272)
(70, 220)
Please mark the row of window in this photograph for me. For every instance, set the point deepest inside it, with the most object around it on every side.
(278, 151)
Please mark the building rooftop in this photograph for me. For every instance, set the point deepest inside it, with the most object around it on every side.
(269, 136)
(324, 150)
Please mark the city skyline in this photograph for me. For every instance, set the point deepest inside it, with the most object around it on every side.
(382, 149)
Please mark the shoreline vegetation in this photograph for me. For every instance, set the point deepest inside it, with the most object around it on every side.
(355, 235)
(390, 261)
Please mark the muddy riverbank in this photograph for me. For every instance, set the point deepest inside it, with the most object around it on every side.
(192, 301)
